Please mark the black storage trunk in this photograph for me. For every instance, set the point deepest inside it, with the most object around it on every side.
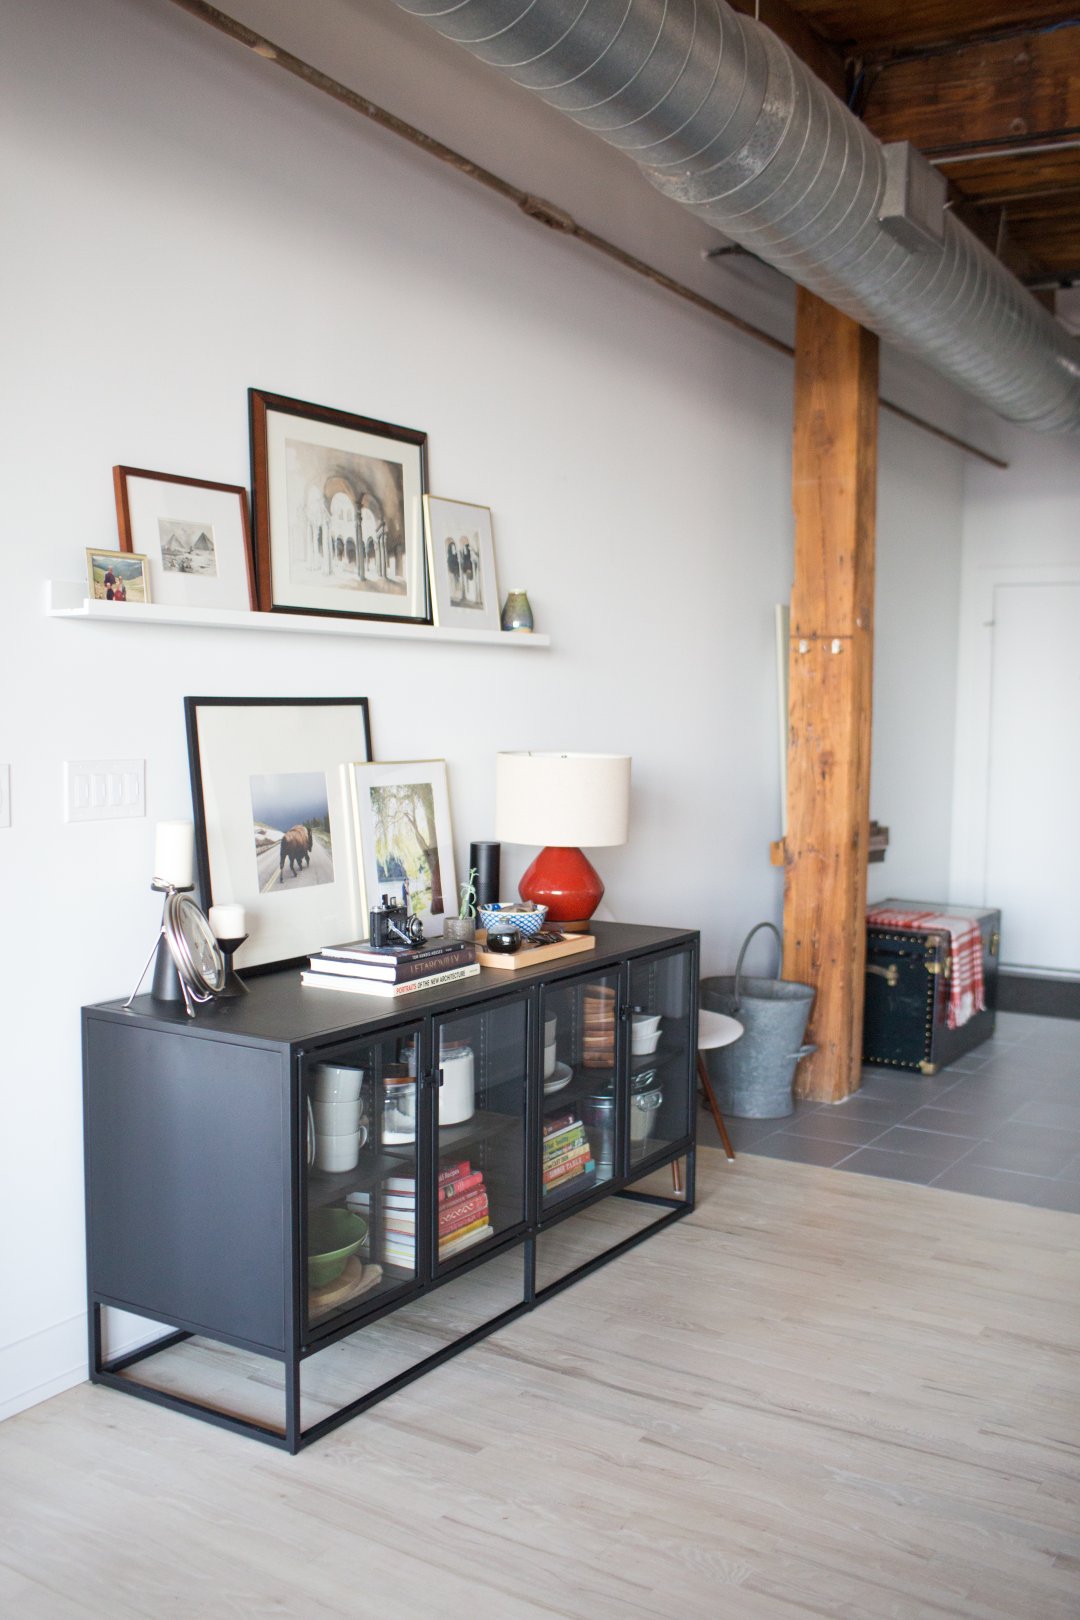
(907, 991)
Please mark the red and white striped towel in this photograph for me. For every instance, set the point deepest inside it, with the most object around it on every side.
(967, 995)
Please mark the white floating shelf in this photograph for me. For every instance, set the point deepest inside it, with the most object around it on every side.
(66, 599)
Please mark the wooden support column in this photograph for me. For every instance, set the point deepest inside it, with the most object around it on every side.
(830, 667)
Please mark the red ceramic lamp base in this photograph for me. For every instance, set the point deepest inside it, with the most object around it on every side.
(565, 881)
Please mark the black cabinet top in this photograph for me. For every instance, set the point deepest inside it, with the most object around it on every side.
(279, 1010)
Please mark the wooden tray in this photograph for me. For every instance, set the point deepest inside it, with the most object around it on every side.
(531, 955)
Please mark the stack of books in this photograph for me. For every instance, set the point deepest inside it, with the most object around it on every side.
(567, 1155)
(463, 1213)
(463, 1208)
(390, 970)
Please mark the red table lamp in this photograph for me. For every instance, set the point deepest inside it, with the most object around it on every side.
(562, 801)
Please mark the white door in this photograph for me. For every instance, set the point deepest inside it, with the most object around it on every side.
(1033, 819)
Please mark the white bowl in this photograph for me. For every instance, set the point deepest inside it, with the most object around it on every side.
(562, 1077)
(337, 1118)
(334, 1082)
(645, 1023)
(642, 1044)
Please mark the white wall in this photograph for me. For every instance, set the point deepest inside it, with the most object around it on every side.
(1020, 526)
(184, 222)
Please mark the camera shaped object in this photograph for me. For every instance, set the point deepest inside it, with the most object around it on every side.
(392, 925)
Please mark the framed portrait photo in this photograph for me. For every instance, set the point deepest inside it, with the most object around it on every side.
(339, 519)
(117, 576)
(406, 845)
(461, 557)
(194, 534)
(272, 796)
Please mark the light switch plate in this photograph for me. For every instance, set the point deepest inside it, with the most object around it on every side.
(5, 795)
(104, 789)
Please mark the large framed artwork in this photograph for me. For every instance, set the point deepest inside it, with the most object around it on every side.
(194, 534)
(339, 520)
(461, 556)
(406, 846)
(272, 795)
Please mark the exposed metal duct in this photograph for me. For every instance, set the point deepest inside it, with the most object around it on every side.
(724, 118)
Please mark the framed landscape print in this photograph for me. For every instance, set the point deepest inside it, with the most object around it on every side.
(194, 534)
(117, 576)
(403, 831)
(339, 521)
(461, 557)
(272, 796)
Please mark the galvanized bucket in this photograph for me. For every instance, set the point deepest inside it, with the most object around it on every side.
(752, 1077)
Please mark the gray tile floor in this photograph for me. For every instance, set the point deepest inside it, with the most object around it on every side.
(1004, 1121)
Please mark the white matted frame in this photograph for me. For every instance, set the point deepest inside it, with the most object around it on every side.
(461, 560)
(194, 534)
(403, 831)
(339, 519)
(270, 788)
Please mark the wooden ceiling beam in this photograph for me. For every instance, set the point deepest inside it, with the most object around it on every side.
(1002, 92)
(787, 24)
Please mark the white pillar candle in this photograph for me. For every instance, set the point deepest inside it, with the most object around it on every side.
(173, 853)
(227, 921)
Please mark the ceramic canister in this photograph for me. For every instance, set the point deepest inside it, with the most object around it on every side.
(457, 1088)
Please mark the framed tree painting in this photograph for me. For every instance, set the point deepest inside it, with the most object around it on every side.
(339, 520)
(272, 796)
(461, 556)
(194, 534)
(403, 831)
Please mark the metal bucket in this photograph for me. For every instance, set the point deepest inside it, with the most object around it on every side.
(752, 1077)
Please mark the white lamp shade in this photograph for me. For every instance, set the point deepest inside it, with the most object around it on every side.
(562, 799)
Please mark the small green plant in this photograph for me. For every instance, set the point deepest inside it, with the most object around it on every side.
(468, 894)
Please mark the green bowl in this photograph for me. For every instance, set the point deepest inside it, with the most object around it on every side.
(333, 1235)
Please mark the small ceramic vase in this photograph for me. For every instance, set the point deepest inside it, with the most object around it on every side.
(516, 613)
(459, 928)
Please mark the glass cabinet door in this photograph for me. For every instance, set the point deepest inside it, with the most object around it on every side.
(581, 1136)
(480, 1062)
(663, 1008)
(359, 1121)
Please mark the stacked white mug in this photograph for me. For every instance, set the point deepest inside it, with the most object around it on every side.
(340, 1127)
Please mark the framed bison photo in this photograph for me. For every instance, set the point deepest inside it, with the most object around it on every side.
(272, 796)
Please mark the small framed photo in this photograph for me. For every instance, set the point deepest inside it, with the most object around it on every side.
(117, 576)
(406, 845)
(339, 519)
(272, 795)
(194, 534)
(461, 557)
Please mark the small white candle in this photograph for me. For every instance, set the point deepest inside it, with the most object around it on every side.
(173, 852)
(227, 922)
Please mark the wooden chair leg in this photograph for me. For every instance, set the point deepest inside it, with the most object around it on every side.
(676, 1175)
(710, 1098)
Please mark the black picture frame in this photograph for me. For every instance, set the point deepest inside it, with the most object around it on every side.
(255, 761)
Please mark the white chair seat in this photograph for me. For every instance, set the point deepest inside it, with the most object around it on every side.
(716, 1029)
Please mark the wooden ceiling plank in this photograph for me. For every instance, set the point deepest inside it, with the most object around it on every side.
(1005, 91)
(789, 25)
(866, 27)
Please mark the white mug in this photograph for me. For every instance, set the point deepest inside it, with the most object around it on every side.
(549, 1061)
(337, 1118)
(339, 1152)
(337, 1082)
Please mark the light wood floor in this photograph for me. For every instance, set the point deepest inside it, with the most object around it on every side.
(820, 1395)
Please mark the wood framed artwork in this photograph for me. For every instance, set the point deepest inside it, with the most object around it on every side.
(272, 797)
(339, 521)
(117, 576)
(461, 559)
(404, 836)
(194, 534)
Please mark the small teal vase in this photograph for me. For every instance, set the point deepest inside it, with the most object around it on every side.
(516, 613)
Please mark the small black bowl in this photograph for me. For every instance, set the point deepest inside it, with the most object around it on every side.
(504, 941)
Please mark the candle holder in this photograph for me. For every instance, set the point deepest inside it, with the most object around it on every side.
(234, 984)
(188, 965)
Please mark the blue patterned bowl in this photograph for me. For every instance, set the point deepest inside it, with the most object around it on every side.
(503, 913)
